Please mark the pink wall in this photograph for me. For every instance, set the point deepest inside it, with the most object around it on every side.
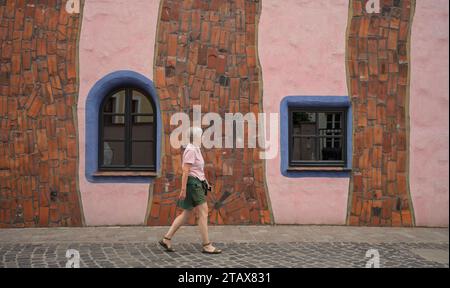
(429, 105)
(309, 60)
(115, 35)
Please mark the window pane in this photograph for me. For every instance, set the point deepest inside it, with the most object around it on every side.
(115, 103)
(317, 136)
(304, 123)
(331, 149)
(143, 153)
(330, 124)
(317, 149)
(113, 153)
(143, 132)
(114, 119)
(114, 127)
(304, 149)
(142, 119)
(141, 104)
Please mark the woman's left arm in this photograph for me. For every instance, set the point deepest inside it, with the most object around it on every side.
(186, 168)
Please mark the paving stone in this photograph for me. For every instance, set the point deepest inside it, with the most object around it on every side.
(397, 247)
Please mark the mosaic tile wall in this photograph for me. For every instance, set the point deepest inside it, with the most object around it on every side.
(206, 55)
(38, 94)
(378, 65)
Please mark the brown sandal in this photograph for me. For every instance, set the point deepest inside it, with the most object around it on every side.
(165, 246)
(215, 251)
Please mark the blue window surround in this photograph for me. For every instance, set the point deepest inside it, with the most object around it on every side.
(96, 95)
(313, 102)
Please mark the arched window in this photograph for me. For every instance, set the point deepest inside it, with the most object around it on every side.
(127, 131)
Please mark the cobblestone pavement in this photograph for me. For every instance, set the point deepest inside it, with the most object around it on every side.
(244, 246)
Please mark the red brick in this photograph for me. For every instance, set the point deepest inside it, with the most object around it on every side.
(54, 215)
(160, 77)
(401, 161)
(371, 109)
(357, 183)
(221, 64)
(52, 148)
(203, 55)
(392, 40)
(28, 210)
(406, 218)
(35, 107)
(43, 216)
(251, 56)
(402, 184)
(205, 30)
(364, 27)
(172, 45)
(72, 150)
(354, 221)
(378, 135)
(396, 219)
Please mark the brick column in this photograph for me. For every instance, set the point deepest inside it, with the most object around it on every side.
(378, 68)
(206, 54)
(38, 96)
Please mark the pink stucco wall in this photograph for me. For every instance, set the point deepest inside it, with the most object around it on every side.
(307, 58)
(429, 110)
(115, 35)
(311, 61)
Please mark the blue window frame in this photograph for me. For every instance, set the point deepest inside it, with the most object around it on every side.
(95, 99)
(316, 136)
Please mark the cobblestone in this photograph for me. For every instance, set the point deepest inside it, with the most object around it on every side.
(261, 255)
(243, 246)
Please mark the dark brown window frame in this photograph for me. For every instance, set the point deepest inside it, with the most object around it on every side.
(318, 164)
(128, 141)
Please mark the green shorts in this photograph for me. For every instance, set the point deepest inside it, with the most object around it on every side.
(195, 194)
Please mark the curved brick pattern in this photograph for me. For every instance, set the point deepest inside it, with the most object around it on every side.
(38, 92)
(378, 67)
(207, 55)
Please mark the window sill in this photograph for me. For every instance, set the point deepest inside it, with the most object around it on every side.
(318, 169)
(317, 172)
(125, 174)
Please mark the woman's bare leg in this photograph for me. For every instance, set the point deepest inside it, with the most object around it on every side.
(177, 223)
(203, 225)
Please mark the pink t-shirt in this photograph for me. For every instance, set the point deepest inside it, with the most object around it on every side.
(193, 155)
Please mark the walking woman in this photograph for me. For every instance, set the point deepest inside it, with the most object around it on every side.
(194, 187)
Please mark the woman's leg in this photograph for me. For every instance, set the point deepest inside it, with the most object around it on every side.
(177, 223)
(203, 225)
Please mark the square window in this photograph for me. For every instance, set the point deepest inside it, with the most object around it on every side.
(317, 137)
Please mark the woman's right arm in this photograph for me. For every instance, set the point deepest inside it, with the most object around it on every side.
(186, 168)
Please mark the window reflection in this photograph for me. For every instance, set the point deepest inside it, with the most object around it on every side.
(317, 136)
(128, 131)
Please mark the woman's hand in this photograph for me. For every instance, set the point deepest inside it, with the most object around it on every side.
(209, 185)
(184, 177)
(182, 194)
